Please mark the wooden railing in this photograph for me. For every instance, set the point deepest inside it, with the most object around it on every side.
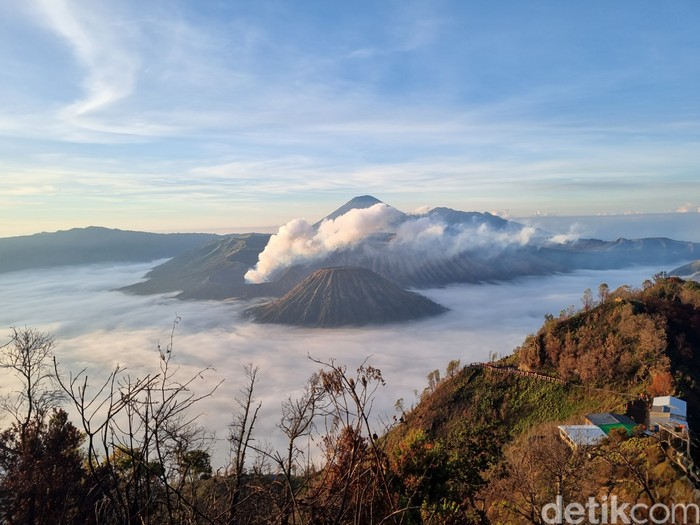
(516, 371)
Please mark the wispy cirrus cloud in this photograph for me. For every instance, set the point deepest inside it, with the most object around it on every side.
(110, 68)
(233, 102)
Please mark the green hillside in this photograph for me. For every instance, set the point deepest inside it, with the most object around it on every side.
(611, 356)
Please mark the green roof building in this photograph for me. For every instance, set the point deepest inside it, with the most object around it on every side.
(608, 422)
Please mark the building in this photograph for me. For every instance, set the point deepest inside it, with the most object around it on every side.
(668, 411)
(581, 435)
(597, 428)
(608, 422)
(667, 418)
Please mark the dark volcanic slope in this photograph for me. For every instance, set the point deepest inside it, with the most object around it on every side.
(214, 271)
(333, 297)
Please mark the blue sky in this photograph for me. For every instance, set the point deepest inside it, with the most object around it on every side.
(231, 115)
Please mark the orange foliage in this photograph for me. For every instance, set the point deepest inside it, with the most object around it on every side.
(661, 384)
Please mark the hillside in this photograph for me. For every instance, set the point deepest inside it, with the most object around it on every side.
(688, 271)
(633, 340)
(333, 297)
(601, 359)
(214, 270)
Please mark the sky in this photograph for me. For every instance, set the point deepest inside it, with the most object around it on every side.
(97, 328)
(182, 115)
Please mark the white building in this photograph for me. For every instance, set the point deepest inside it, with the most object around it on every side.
(668, 411)
(581, 435)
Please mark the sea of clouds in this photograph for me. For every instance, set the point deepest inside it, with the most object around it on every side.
(97, 328)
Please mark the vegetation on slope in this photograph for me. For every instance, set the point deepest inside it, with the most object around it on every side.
(627, 344)
(638, 341)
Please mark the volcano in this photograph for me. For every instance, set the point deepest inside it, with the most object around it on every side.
(345, 296)
(437, 248)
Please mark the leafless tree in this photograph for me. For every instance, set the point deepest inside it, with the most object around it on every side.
(27, 355)
(355, 487)
(297, 423)
(240, 436)
(137, 433)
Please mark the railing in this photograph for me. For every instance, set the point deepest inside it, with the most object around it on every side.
(516, 371)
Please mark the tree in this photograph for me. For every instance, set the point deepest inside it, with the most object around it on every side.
(27, 356)
(433, 381)
(452, 368)
(297, 422)
(43, 477)
(138, 432)
(536, 469)
(603, 292)
(660, 276)
(662, 384)
(40, 462)
(240, 435)
(353, 485)
(587, 299)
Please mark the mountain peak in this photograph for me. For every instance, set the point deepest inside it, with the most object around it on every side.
(363, 200)
(356, 203)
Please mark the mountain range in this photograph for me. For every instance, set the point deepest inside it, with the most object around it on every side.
(470, 247)
(437, 248)
(208, 266)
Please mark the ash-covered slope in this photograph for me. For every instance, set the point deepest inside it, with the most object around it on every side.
(214, 271)
(688, 271)
(333, 297)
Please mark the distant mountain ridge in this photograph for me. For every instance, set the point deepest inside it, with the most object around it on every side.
(214, 270)
(93, 245)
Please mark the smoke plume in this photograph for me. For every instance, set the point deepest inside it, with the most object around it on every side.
(427, 236)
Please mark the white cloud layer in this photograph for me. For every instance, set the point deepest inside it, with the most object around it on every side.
(97, 328)
(679, 226)
(687, 207)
